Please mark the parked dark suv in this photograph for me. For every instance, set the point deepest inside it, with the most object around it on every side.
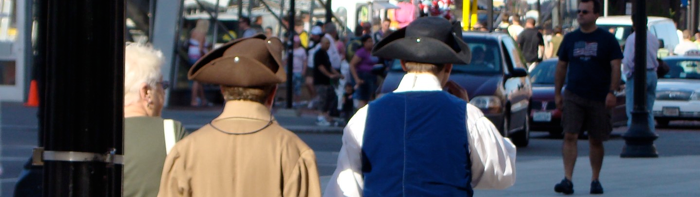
(496, 81)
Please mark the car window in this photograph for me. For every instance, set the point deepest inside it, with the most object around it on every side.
(544, 73)
(683, 69)
(621, 32)
(508, 59)
(515, 53)
(486, 58)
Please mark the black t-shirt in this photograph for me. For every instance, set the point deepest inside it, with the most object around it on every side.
(348, 105)
(589, 56)
(529, 40)
(321, 59)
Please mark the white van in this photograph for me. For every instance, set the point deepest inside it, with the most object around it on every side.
(663, 28)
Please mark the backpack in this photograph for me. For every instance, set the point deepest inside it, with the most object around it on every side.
(353, 45)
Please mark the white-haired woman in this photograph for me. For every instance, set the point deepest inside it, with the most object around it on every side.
(147, 137)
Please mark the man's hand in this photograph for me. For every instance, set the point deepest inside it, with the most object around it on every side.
(610, 101)
(558, 101)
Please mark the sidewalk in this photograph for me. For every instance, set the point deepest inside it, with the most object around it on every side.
(298, 121)
(663, 176)
(192, 118)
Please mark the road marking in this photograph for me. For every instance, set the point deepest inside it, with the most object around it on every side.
(14, 158)
(8, 180)
(19, 126)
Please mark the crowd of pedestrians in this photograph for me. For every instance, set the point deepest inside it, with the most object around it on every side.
(245, 152)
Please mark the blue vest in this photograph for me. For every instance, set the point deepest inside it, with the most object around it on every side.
(416, 144)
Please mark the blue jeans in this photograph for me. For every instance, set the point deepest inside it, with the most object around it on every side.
(651, 96)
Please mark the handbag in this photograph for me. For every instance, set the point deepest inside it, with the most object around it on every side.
(169, 134)
(662, 69)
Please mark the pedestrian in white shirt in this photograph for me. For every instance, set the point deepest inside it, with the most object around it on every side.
(515, 29)
(420, 140)
(685, 45)
(628, 70)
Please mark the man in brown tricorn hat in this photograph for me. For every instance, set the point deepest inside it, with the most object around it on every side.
(244, 151)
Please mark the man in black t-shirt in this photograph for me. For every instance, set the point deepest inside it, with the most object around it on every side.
(323, 74)
(589, 62)
(531, 43)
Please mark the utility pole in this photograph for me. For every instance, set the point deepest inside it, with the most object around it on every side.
(639, 138)
(250, 11)
(539, 12)
(696, 16)
(489, 15)
(83, 132)
(240, 16)
(329, 12)
(556, 20)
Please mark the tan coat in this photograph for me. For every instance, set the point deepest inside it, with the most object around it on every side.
(211, 163)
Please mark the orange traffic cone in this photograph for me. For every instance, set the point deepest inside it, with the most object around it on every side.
(33, 100)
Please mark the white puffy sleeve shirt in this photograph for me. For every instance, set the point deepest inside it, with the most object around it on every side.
(492, 156)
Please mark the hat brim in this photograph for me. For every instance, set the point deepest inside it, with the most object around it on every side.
(422, 49)
(244, 72)
(238, 71)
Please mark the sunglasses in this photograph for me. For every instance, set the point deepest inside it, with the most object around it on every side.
(582, 11)
(164, 84)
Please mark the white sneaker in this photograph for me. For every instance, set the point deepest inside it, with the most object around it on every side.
(321, 121)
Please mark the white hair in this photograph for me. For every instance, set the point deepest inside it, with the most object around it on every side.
(142, 64)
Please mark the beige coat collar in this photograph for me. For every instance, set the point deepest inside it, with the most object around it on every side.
(245, 109)
(243, 117)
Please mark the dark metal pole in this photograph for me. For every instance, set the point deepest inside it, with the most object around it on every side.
(311, 13)
(250, 11)
(696, 16)
(40, 65)
(691, 15)
(639, 139)
(489, 16)
(539, 13)
(85, 60)
(240, 15)
(290, 54)
(329, 12)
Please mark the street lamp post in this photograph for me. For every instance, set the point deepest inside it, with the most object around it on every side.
(83, 121)
(329, 11)
(639, 139)
(489, 15)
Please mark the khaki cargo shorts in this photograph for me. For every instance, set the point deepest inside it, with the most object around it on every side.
(581, 114)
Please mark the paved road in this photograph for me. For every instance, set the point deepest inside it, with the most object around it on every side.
(539, 165)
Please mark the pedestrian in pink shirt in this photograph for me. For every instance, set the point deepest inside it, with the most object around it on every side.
(405, 14)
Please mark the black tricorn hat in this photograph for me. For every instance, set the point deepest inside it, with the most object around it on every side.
(431, 40)
(245, 62)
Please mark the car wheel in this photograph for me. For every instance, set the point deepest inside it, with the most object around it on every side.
(505, 125)
(662, 122)
(521, 138)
